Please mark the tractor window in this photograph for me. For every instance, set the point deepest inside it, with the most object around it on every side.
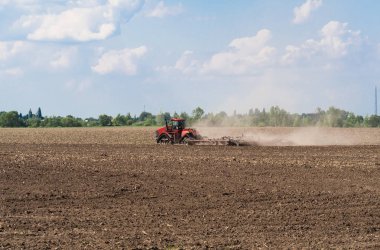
(178, 125)
(175, 125)
(181, 124)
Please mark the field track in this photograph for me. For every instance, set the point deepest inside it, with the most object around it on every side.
(115, 188)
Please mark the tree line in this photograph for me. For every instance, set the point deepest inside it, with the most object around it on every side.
(275, 117)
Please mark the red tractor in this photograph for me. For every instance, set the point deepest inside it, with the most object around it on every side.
(175, 132)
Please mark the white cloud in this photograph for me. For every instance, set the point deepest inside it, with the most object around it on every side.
(63, 58)
(336, 38)
(302, 13)
(84, 21)
(79, 24)
(10, 49)
(36, 56)
(121, 61)
(186, 63)
(292, 54)
(161, 10)
(245, 55)
(335, 42)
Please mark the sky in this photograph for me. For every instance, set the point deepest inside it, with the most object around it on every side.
(89, 57)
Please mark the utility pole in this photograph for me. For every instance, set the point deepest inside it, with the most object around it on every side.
(376, 100)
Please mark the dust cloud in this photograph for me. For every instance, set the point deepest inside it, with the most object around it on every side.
(306, 136)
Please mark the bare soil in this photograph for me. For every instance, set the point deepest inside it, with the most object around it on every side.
(115, 188)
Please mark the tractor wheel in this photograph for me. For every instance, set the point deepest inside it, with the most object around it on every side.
(164, 139)
(186, 140)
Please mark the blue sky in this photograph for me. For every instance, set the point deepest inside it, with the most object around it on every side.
(116, 56)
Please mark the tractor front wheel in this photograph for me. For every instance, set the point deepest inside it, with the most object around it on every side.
(164, 139)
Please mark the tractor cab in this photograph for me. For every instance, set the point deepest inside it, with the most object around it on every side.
(177, 124)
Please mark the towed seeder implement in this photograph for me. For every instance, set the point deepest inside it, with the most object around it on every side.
(175, 132)
(224, 141)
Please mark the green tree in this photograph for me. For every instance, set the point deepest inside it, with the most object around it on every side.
(144, 115)
(70, 121)
(39, 113)
(372, 121)
(10, 119)
(30, 114)
(263, 119)
(274, 116)
(33, 122)
(55, 121)
(162, 117)
(297, 121)
(335, 117)
(220, 118)
(209, 119)
(175, 115)
(306, 120)
(91, 122)
(119, 120)
(350, 121)
(197, 114)
(149, 121)
(359, 121)
(105, 120)
(184, 115)
(129, 119)
(251, 112)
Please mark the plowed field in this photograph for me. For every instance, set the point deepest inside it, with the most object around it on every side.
(114, 188)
